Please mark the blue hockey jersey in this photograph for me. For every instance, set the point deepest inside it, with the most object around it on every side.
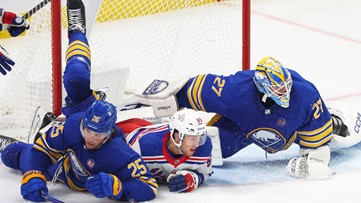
(151, 143)
(61, 155)
(243, 119)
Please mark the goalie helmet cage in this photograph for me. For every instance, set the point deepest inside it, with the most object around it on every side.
(168, 39)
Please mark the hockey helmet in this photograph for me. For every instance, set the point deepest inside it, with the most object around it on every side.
(272, 79)
(187, 122)
(100, 117)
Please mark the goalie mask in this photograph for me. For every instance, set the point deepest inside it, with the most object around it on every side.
(275, 81)
(187, 122)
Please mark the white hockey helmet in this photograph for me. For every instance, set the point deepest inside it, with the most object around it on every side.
(187, 122)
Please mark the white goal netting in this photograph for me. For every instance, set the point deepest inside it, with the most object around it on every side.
(151, 39)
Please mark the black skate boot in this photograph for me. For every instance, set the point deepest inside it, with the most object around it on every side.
(76, 16)
(5, 141)
(48, 118)
(339, 127)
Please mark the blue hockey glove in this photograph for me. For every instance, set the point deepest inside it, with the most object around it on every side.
(5, 61)
(33, 184)
(104, 185)
(13, 23)
(183, 181)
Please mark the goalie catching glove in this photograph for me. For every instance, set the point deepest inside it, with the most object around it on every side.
(312, 165)
(104, 185)
(161, 96)
(184, 181)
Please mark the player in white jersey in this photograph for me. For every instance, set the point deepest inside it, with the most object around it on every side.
(15, 25)
(177, 153)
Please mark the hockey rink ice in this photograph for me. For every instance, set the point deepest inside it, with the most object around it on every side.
(319, 39)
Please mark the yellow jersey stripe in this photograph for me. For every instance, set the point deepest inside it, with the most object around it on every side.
(320, 136)
(78, 46)
(79, 43)
(77, 52)
(317, 131)
(316, 144)
(196, 87)
(200, 101)
(189, 95)
(152, 183)
(45, 152)
(214, 120)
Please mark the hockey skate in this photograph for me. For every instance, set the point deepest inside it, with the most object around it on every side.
(339, 127)
(5, 141)
(42, 121)
(346, 130)
(76, 16)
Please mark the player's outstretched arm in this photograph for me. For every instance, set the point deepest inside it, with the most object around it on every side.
(13, 23)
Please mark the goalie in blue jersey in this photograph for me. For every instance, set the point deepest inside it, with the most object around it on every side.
(271, 106)
(88, 151)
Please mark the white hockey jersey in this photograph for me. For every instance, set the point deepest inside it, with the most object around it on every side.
(151, 143)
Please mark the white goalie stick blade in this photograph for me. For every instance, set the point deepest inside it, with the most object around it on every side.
(213, 133)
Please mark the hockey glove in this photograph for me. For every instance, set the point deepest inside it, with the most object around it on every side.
(33, 184)
(183, 181)
(13, 23)
(313, 165)
(5, 61)
(104, 185)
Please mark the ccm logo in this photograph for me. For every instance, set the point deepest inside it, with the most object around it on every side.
(163, 107)
(358, 123)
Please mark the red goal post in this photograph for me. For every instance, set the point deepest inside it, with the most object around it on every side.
(147, 38)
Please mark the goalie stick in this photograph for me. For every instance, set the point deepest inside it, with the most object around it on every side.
(35, 9)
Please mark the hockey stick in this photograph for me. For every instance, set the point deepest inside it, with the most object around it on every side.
(49, 198)
(35, 9)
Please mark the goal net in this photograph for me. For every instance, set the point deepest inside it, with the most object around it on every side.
(135, 41)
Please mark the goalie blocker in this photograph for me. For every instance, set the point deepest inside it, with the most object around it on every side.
(161, 96)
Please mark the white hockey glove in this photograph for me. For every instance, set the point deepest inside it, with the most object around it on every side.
(313, 165)
(183, 181)
(161, 95)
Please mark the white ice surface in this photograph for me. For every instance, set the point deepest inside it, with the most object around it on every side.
(319, 39)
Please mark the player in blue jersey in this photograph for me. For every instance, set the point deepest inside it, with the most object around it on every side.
(272, 107)
(88, 151)
(177, 153)
(15, 25)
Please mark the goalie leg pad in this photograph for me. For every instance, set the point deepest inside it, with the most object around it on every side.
(161, 95)
(213, 133)
(161, 108)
